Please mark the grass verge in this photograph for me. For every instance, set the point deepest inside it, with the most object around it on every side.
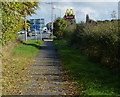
(15, 65)
(92, 78)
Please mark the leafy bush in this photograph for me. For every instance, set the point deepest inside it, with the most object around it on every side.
(68, 34)
(12, 18)
(52, 37)
(59, 27)
(102, 40)
(99, 40)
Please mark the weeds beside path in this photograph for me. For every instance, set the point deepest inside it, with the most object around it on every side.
(15, 65)
(92, 78)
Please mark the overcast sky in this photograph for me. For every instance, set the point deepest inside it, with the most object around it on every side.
(97, 10)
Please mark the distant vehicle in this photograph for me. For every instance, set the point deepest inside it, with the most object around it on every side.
(30, 34)
(37, 31)
(45, 29)
(21, 32)
(34, 34)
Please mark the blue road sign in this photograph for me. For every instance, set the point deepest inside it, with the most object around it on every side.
(35, 26)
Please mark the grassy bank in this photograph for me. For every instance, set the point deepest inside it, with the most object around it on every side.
(15, 65)
(93, 78)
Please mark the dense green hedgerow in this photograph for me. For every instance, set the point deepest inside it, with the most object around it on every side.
(99, 40)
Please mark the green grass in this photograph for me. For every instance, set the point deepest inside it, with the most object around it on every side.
(29, 48)
(92, 78)
(15, 65)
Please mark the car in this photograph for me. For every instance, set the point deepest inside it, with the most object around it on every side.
(21, 32)
(37, 31)
(30, 34)
(45, 29)
(34, 34)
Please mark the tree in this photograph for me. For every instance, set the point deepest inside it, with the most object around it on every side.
(26, 25)
(48, 25)
(59, 27)
(87, 18)
(12, 18)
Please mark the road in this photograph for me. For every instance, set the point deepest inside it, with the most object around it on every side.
(44, 35)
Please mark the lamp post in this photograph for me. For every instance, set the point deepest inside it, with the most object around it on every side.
(54, 16)
(51, 16)
(58, 9)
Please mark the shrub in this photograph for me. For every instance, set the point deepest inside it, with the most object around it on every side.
(102, 41)
(99, 40)
(59, 27)
(68, 34)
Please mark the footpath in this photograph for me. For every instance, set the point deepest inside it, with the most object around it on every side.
(44, 76)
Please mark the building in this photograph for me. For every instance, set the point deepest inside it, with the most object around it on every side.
(90, 21)
(40, 23)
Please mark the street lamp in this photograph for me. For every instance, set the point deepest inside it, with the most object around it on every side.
(54, 16)
(58, 9)
(51, 15)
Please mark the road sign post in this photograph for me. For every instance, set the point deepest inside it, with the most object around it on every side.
(35, 34)
(41, 35)
(35, 27)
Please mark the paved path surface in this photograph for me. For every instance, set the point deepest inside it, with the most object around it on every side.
(44, 76)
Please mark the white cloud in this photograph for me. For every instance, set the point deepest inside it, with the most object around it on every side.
(96, 10)
(87, 10)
